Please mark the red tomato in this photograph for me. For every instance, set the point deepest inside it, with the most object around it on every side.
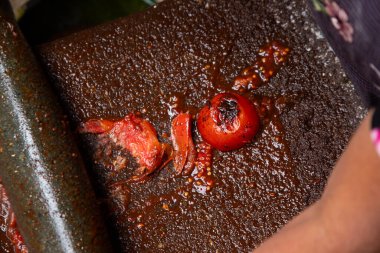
(228, 122)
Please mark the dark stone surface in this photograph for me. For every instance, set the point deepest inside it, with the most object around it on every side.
(40, 164)
(183, 53)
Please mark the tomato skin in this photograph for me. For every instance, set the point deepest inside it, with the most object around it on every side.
(228, 122)
(185, 152)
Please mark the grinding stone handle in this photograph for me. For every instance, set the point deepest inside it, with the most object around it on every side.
(40, 166)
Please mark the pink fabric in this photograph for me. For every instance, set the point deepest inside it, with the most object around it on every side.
(375, 136)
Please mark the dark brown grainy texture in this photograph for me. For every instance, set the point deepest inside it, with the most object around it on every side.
(41, 168)
(180, 54)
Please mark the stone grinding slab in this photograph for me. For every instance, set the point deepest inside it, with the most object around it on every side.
(180, 54)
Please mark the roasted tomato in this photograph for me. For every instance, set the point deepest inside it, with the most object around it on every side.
(228, 122)
(135, 135)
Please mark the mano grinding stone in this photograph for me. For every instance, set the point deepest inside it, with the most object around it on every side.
(41, 168)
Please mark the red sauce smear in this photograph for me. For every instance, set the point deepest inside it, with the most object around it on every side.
(10, 223)
(270, 58)
(202, 173)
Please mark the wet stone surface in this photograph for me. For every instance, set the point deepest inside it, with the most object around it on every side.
(41, 169)
(174, 58)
